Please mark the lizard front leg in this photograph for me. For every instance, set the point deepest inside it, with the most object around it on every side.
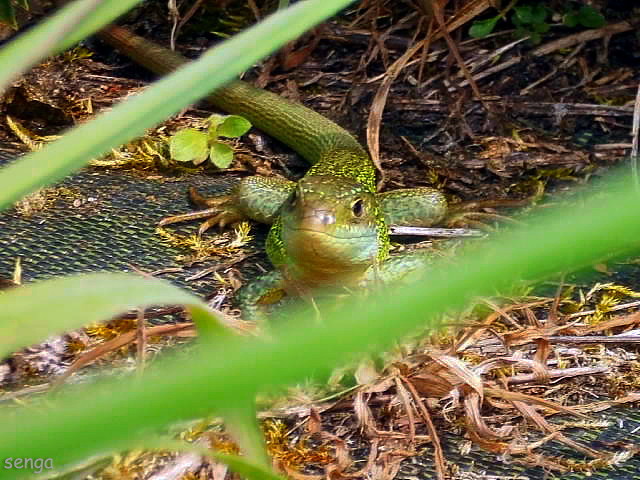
(255, 198)
(413, 207)
(261, 295)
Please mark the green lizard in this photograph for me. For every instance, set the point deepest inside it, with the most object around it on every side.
(329, 229)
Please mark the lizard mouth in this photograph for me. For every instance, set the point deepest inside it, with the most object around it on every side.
(344, 236)
(339, 251)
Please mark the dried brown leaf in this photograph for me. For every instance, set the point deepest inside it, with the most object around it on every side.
(364, 416)
(531, 400)
(463, 373)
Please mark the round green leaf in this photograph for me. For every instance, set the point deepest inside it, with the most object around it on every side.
(216, 119)
(589, 17)
(570, 20)
(221, 155)
(531, 14)
(189, 145)
(539, 14)
(482, 28)
(234, 126)
(524, 13)
(212, 132)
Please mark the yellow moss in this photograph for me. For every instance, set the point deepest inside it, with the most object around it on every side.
(75, 346)
(142, 154)
(226, 244)
(296, 454)
(82, 108)
(77, 53)
(32, 140)
(112, 329)
(42, 199)
(606, 296)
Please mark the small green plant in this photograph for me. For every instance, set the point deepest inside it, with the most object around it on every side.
(532, 20)
(191, 145)
(482, 28)
(586, 16)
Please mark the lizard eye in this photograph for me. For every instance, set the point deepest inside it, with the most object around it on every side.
(358, 208)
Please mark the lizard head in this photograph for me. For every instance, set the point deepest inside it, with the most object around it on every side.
(331, 228)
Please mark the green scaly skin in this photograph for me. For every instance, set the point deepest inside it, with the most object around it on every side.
(329, 228)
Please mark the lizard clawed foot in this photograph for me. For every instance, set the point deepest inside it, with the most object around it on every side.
(216, 210)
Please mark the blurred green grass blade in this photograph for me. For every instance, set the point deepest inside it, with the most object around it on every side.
(106, 12)
(210, 329)
(129, 119)
(241, 465)
(242, 422)
(57, 33)
(189, 388)
(34, 312)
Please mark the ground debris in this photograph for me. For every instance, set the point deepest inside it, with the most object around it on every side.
(514, 377)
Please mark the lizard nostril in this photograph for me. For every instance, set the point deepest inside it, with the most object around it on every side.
(324, 217)
(327, 219)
